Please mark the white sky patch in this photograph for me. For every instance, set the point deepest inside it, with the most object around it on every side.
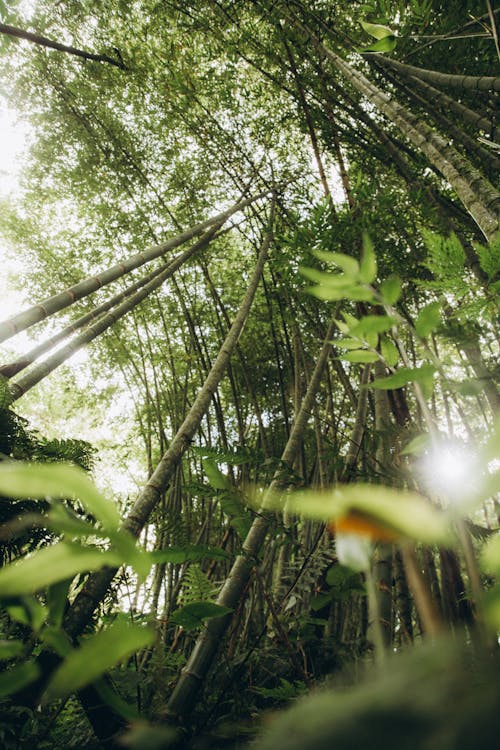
(14, 141)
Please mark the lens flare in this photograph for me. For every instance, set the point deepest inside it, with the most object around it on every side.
(450, 470)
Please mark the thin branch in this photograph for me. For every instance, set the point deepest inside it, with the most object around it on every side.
(44, 42)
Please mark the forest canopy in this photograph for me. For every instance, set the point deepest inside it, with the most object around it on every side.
(250, 405)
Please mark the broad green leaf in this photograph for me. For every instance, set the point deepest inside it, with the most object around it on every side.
(29, 612)
(18, 677)
(116, 702)
(396, 380)
(470, 387)
(361, 356)
(351, 291)
(63, 521)
(96, 655)
(376, 30)
(189, 553)
(372, 324)
(368, 265)
(417, 445)
(57, 640)
(423, 375)
(9, 649)
(405, 513)
(326, 278)
(387, 44)
(347, 343)
(50, 565)
(490, 555)
(428, 319)
(195, 614)
(216, 478)
(389, 352)
(20, 479)
(343, 581)
(349, 265)
(57, 595)
(390, 289)
(320, 601)
(343, 327)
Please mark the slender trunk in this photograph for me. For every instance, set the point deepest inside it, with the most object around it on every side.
(310, 126)
(29, 36)
(13, 368)
(359, 427)
(447, 80)
(25, 383)
(47, 307)
(97, 584)
(478, 196)
(195, 671)
(476, 119)
(382, 566)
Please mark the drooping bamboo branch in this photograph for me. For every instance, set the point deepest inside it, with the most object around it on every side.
(477, 194)
(13, 368)
(207, 645)
(39, 372)
(447, 80)
(47, 307)
(97, 584)
(29, 36)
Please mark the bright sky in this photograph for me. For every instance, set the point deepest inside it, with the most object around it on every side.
(14, 142)
(14, 136)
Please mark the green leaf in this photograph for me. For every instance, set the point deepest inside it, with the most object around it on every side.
(96, 655)
(195, 614)
(216, 478)
(116, 702)
(351, 291)
(406, 513)
(490, 555)
(397, 380)
(347, 343)
(417, 446)
(57, 640)
(57, 595)
(361, 356)
(349, 265)
(372, 324)
(390, 289)
(19, 479)
(50, 565)
(423, 375)
(10, 649)
(376, 30)
(387, 44)
(18, 677)
(368, 266)
(29, 612)
(428, 319)
(389, 352)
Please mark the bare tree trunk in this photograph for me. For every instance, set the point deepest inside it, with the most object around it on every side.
(29, 36)
(39, 372)
(198, 665)
(47, 307)
(447, 80)
(97, 584)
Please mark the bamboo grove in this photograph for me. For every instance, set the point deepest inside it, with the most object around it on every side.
(273, 228)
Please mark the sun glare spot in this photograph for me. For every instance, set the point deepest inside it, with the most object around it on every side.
(450, 470)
